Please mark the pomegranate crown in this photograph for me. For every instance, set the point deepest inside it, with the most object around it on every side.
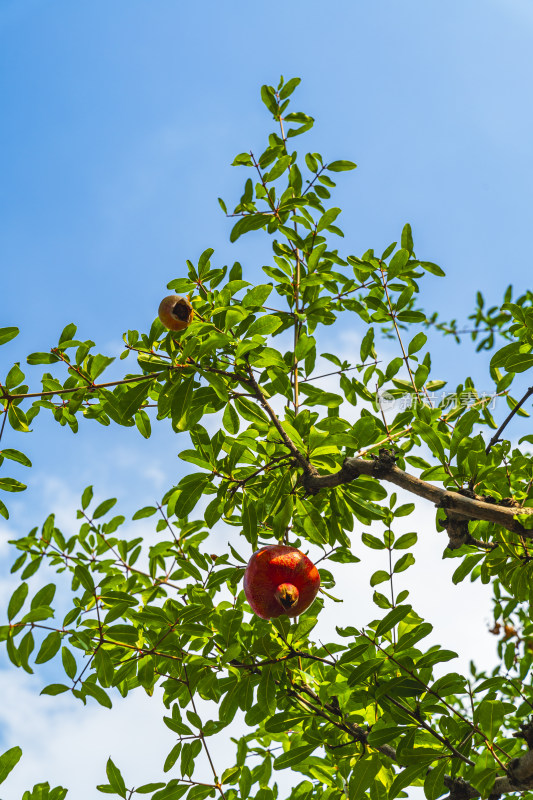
(287, 595)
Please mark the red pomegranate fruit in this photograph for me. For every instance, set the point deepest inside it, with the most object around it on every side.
(280, 580)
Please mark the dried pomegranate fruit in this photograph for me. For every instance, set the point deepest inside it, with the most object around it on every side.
(175, 312)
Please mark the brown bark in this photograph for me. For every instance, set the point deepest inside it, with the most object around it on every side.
(456, 505)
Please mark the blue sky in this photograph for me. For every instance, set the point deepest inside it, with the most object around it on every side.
(120, 121)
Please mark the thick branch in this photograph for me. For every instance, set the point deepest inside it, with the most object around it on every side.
(471, 508)
(520, 776)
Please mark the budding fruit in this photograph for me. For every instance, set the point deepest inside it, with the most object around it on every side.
(280, 580)
(175, 312)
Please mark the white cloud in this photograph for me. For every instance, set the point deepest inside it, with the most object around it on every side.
(68, 744)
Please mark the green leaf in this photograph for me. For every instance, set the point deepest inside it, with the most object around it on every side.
(313, 522)
(407, 238)
(364, 670)
(363, 774)
(86, 497)
(99, 695)
(386, 253)
(249, 520)
(130, 401)
(405, 541)
(341, 166)
(519, 362)
(69, 662)
(303, 629)
(17, 418)
(364, 431)
(115, 778)
(147, 511)
(266, 691)
(11, 485)
(104, 507)
(172, 757)
(11, 757)
(284, 721)
(490, 716)
(406, 778)
(411, 316)
(414, 635)
(435, 657)
(242, 160)
(147, 788)
(431, 438)
(44, 596)
(14, 377)
(483, 779)
(251, 222)
(289, 87)
(104, 667)
(181, 401)
(172, 791)
(379, 577)
(230, 419)
(269, 99)
(384, 735)
(55, 688)
(245, 782)
(278, 169)
(328, 218)
(392, 618)
(298, 116)
(433, 268)
(6, 334)
(404, 562)
(417, 343)
(42, 358)
(15, 455)
(398, 262)
(367, 344)
(372, 542)
(142, 421)
(17, 601)
(311, 162)
(264, 326)
(49, 647)
(256, 296)
(466, 566)
(294, 756)
(452, 683)
(203, 262)
(84, 576)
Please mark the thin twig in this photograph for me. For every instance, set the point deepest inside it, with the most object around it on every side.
(506, 421)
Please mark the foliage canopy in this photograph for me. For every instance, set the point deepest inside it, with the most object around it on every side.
(275, 457)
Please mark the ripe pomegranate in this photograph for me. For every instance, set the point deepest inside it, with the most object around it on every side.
(175, 312)
(280, 580)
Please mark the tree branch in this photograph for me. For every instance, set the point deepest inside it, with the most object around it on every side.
(507, 420)
(383, 468)
(308, 468)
